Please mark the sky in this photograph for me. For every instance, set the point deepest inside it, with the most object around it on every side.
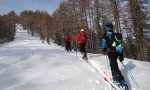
(19, 5)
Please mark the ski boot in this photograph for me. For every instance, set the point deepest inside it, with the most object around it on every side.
(123, 85)
(115, 80)
(84, 57)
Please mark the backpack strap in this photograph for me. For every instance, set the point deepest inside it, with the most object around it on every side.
(109, 34)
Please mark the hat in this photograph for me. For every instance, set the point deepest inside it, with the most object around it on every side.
(82, 30)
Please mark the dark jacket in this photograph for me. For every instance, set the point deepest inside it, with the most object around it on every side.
(107, 44)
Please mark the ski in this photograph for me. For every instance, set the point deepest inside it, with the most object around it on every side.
(122, 84)
(104, 75)
(107, 78)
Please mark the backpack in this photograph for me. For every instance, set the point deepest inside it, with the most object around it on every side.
(83, 37)
(114, 41)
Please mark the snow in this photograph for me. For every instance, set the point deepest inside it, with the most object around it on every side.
(28, 64)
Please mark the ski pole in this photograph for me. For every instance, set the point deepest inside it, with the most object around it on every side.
(108, 64)
(131, 75)
(76, 50)
(107, 61)
(76, 53)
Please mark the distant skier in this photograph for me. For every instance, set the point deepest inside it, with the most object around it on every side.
(111, 43)
(81, 40)
(68, 42)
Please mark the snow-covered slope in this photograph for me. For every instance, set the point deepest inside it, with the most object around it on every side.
(28, 64)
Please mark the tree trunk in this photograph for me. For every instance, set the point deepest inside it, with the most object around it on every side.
(116, 15)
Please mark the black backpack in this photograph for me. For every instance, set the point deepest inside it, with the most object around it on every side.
(114, 40)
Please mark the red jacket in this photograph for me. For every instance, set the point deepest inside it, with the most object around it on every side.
(80, 38)
(68, 38)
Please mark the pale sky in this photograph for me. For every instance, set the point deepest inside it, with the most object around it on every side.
(19, 5)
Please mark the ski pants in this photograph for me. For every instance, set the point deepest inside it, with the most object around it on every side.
(82, 48)
(114, 66)
(68, 46)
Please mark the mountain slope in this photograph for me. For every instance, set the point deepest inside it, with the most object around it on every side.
(28, 64)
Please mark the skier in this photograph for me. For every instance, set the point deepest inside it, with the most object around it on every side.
(81, 40)
(111, 43)
(68, 42)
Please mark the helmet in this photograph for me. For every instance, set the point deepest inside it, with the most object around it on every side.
(108, 26)
(82, 30)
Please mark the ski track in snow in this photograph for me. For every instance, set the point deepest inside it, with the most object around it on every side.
(28, 64)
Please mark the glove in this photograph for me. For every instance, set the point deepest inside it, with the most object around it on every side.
(119, 48)
(121, 58)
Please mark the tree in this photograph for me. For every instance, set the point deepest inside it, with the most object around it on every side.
(138, 26)
(7, 26)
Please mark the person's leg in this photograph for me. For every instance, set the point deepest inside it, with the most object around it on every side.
(84, 50)
(115, 71)
(69, 45)
(114, 67)
(81, 48)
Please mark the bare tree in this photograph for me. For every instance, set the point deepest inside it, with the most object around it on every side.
(138, 25)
